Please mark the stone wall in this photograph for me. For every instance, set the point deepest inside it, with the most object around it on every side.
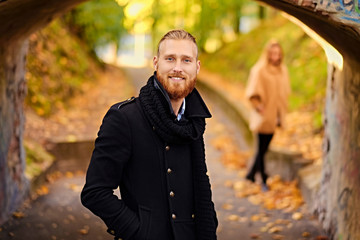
(339, 206)
(13, 184)
(18, 20)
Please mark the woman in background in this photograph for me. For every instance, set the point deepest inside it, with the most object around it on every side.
(267, 89)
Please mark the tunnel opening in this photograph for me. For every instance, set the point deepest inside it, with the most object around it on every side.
(342, 106)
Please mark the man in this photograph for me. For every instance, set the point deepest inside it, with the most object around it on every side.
(268, 90)
(152, 147)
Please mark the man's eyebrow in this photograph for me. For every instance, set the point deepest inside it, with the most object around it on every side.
(174, 55)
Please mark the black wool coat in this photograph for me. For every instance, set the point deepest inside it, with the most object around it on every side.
(152, 176)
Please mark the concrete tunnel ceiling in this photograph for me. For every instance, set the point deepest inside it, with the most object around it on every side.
(21, 18)
(337, 22)
(331, 21)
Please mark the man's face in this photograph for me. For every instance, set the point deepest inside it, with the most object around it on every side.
(275, 55)
(177, 67)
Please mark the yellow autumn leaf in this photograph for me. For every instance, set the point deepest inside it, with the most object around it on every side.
(297, 216)
(254, 236)
(275, 229)
(239, 185)
(278, 237)
(233, 217)
(75, 187)
(227, 206)
(18, 214)
(69, 174)
(43, 190)
(255, 218)
(84, 231)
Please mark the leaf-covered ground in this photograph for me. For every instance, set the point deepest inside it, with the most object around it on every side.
(244, 212)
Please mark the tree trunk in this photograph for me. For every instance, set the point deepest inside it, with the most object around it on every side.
(237, 17)
(13, 184)
(261, 12)
(340, 193)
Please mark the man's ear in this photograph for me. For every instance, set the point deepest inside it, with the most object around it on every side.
(198, 66)
(155, 61)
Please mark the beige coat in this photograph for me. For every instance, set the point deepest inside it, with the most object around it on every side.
(271, 85)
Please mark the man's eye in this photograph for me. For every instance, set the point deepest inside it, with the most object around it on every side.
(169, 59)
(187, 60)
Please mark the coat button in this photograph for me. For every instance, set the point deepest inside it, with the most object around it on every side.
(112, 232)
(193, 216)
(172, 194)
(173, 216)
(167, 148)
(153, 128)
(169, 170)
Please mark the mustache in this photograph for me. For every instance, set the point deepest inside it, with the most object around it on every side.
(177, 75)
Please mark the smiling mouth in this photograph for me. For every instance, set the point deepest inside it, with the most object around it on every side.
(176, 79)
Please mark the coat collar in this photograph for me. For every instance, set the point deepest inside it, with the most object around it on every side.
(195, 105)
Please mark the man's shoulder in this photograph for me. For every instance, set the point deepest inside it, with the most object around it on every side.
(123, 104)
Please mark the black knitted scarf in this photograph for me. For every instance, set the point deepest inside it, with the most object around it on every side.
(157, 111)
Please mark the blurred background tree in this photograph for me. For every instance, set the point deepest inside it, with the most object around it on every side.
(98, 22)
(230, 35)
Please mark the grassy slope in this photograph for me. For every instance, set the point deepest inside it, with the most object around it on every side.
(304, 57)
(57, 65)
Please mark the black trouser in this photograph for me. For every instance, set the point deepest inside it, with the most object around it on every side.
(259, 164)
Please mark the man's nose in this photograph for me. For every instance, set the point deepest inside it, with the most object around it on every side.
(177, 67)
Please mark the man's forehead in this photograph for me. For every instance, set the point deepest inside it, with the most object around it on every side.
(178, 47)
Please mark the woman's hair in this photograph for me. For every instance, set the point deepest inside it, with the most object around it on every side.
(273, 43)
(264, 58)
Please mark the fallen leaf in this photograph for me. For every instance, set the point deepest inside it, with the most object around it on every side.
(227, 206)
(282, 221)
(239, 185)
(322, 238)
(278, 237)
(43, 190)
(84, 231)
(306, 234)
(255, 218)
(254, 236)
(18, 214)
(233, 217)
(75, 187)
(243, 219)
(275, 229)
(297, 216)
(69, 174)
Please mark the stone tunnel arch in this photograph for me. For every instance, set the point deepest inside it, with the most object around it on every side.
(337, 21)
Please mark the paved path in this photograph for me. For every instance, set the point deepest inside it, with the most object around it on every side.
(59, 215)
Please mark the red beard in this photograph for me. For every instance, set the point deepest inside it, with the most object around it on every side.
(176, 90)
